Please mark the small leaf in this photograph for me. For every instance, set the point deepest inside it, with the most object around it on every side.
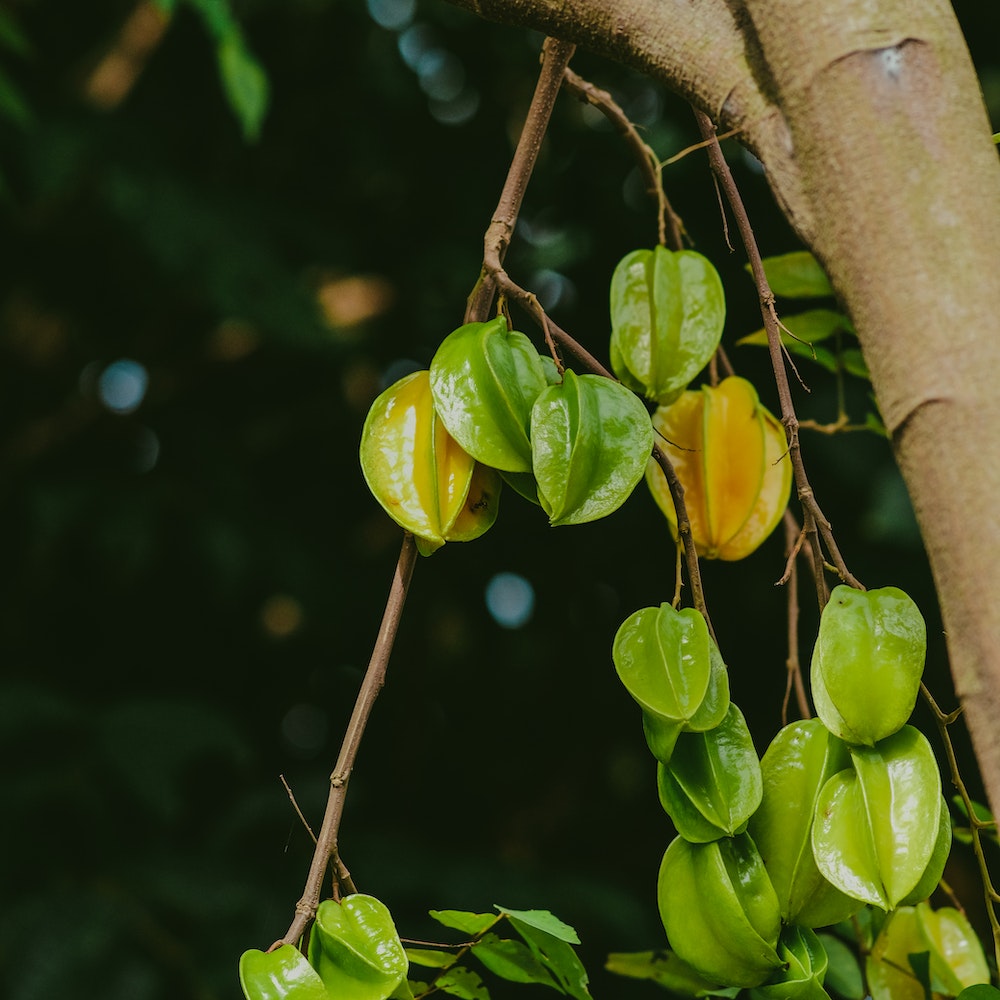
(810, 326)
(429, 958)
(245, 84)
(512, 960)
(981, 992)
(843, 972)
(462, 983)
(544, 921)
(796, 276)
(472, 924)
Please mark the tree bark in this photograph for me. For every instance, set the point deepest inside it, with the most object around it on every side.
(869, 120)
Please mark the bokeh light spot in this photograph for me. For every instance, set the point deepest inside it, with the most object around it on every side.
(304, 729)
(391, 14)
(281, 616)
(510, 599)
(122, 385)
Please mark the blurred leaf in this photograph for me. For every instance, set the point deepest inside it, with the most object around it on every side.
(666, 970)
(472, 924)
(920, 963)
(982, 991)
(463, 983)
(854, 363)
(512, 960)
(430, 959)
(544, 921)
(809, 328)
(245, 84)
(874, 423)
(12, 105)
(796, 275)
(982, 812)
(11, 36)
(843, 973)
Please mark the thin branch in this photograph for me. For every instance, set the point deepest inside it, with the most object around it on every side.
(295, 806)
(815, 522)
(555, 57)
(976, 825)
(793, 545)
(326, 844)
(649, 164)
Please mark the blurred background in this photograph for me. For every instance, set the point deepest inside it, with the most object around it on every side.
(222, 235)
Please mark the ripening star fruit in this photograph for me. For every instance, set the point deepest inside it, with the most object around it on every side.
(667, 314)
(419, 473)
(867, 663)
(731, 457)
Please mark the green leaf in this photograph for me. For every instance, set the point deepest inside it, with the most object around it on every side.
(811, 326)
(796, 766)
(512, 960)
(558, 956)
(544, 921)
(981, 992)
(796, 276)
(463, 983)
(282, 974)
(876, 823)
(590, 441)
(665, 969)
(430, 959)
(853, 362)
(843, 972)
(668, 309)
(920, 963)
(981, 812)
(472, 924)
(996, 137)
(712, 784)
(355, 948)
(245, 84)
(873, 422)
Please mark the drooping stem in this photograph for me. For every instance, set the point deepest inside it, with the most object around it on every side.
(555, 57)
(670, 228)
(326, 841)
(976, 825)
(815, 523)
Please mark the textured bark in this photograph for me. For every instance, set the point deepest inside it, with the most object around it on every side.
(870, 123)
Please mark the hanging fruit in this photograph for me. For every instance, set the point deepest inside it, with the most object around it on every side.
(667, 314)
(730, 455)
(418, 472)
(867, 663)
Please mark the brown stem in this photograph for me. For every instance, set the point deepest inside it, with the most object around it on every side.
(326, 843)
(815, 523)
(555, 57)
(793, 545)
(649, 164)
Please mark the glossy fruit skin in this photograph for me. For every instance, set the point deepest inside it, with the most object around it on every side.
(805, 965)
(590, 439)
(485, 379)
(712, 784)
(667, 314)
(956, 955)
(419, 474)
(867, 663)
(730, 455)
(798, 763)
(282, 974)
(355, 949)
(876, 823)
(719, 910)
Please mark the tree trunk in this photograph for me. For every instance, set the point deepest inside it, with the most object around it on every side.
(868, 118)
